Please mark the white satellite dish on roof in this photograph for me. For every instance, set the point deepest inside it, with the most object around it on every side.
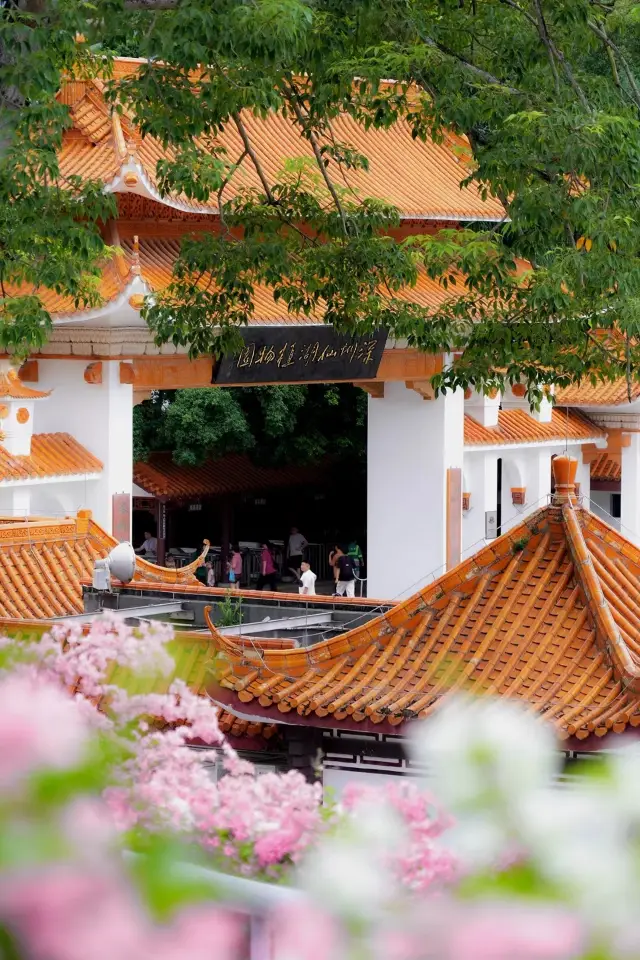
(122, 562)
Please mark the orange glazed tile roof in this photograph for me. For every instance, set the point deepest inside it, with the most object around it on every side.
(52, 455)
(156, 257)
(12, 388)
(517, 426)
(422, 179)
(606, 467)
(234, 473)
(607, 394)
(548, 614)
(44, 561)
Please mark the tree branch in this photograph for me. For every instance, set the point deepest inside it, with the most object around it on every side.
(313, 140)
(151, 4)
(613, 48)
(471, 67)
(544, 35)
(551, 49)
(242, 130)
(225, 183)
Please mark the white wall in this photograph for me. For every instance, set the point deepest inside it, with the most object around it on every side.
(99, 416)
(528, 467)
(583, 477)
(337, 780)
(56, 499)
(481, 480)
(630, 489)
(411, 444)
(601, 506)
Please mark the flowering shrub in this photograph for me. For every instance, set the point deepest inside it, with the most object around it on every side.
(522, 868)
(248, 824)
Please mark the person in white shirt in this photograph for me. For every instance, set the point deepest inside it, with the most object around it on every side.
(297, 546)
(307, 580)
(150, 545)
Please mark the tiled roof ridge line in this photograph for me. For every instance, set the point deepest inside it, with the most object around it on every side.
(379, 631)
(151, 572)
(607, 633)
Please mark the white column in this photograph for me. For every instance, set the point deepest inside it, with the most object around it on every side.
(20, 501)
(412, 442)
(583, 477)
(99, 416)
(630, 490)
(481, 472)
(540, 488)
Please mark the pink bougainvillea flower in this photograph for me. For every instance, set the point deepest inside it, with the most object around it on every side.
(502, 931)
(40, 727)
(302, 931)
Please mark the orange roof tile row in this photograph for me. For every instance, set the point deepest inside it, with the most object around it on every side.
(52, 455)
(517, 426)
(422, 179)
(234, 473)
(157, 257)
(607, 467)
(548, 614)
(610, 393)
(44, 562)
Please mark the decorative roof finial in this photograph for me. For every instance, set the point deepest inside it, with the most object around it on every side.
(564, 474)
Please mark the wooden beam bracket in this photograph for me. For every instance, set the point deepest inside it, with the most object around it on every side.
(423, 387)
(375, 388)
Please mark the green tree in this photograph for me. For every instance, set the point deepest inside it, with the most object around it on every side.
(273, 425)
(49, 223)
(547, 93)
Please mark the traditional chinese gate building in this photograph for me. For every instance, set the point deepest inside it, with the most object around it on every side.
(427, 458)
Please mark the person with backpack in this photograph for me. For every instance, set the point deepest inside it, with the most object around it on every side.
(357, 556)
(345, 576)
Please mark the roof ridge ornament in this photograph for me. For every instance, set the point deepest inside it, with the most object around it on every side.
(564, 470)
(118, 136)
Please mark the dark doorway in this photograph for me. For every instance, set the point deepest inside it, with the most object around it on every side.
(616, 505)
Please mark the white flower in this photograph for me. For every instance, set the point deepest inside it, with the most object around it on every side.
(349, 872)
(346, 878)
(580, 842)
(479, 750)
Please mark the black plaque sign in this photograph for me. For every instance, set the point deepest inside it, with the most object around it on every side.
(292, 354)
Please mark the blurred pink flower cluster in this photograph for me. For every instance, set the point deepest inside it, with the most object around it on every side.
(251, 824)
(67, 911)
(421, 861)
(379, 882)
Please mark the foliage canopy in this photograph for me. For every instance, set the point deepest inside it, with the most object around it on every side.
(273, 425)
(548, 95)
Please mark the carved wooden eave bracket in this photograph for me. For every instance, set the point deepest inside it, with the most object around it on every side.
(422, 387)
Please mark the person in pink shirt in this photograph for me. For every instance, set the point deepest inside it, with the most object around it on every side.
(267, 568)
(235, 567)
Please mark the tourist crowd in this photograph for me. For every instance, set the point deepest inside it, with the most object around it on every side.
(346, 563)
